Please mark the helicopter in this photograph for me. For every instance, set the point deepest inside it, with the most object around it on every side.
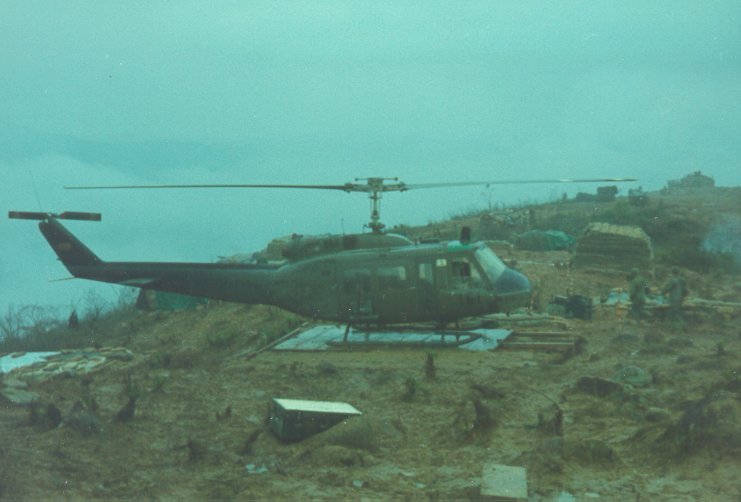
(372, 278)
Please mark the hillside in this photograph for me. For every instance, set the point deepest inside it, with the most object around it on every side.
(678, 223)
(647, 410)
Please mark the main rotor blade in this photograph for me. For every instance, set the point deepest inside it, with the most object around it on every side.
(318, 187)
(347, 187)
(376, 186)
(517, 182)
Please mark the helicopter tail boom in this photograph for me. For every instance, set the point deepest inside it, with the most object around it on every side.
(246, 283)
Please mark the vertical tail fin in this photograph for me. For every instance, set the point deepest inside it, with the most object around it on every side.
(68, 248)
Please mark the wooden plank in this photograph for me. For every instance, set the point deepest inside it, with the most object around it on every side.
(276, 342)
(535, 334)
(537, 345)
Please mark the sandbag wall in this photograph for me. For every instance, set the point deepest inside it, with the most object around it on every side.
(613, 247)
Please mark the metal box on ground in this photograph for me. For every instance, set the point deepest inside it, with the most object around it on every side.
(504, 483)
(296, 419)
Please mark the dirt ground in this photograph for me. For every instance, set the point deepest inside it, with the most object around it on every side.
(648, 410)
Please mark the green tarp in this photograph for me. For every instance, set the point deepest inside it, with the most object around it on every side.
(544, 240)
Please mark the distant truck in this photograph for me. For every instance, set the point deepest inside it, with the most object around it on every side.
(604, 194)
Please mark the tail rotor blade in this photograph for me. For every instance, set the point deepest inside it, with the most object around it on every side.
(77, 215)
(27, 215)
(67, 215)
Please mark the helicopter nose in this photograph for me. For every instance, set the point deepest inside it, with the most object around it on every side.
(512, 290)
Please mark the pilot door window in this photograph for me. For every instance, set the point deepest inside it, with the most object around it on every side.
(392, 277)
(464, 273)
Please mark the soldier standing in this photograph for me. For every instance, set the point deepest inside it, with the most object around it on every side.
(637, 290)
(676, 289)
(73, 322)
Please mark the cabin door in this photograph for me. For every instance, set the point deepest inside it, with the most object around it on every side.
(322, 292)
(356, 303)
(396, 294)
(427, 283)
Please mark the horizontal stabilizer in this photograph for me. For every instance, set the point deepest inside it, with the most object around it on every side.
(67, 215)
(138, 283)
(63, 279)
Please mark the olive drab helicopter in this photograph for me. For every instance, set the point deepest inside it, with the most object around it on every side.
(371, 278)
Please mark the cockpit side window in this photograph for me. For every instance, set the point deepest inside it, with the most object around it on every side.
(464, 272)
(461, 268)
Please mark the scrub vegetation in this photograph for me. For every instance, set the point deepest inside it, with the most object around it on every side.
(39, 328)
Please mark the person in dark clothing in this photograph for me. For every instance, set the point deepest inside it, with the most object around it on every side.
(73, 322)
(676, 291)
(637, 290)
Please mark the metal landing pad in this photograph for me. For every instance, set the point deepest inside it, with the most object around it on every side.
(326, 337)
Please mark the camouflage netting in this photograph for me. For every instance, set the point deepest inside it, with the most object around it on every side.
(614, 247)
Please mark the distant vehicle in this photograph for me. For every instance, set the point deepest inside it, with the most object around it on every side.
(373, 278)
(637, 197)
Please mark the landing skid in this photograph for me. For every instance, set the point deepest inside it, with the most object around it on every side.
(325, 337)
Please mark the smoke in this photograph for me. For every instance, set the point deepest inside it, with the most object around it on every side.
(725, 237)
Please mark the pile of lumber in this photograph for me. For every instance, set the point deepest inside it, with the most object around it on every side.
(613, 247)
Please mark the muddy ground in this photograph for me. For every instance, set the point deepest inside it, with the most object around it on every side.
(648, 410)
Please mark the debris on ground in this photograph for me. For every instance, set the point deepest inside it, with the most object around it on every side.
(45, 365)
(504, 482)
(296, 419)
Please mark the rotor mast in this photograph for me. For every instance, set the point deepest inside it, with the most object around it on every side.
(375, 188)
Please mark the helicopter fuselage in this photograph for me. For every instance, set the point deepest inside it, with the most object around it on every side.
(370, 279)
(410, 283)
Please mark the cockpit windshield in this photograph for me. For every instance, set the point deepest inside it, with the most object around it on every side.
(492, 265)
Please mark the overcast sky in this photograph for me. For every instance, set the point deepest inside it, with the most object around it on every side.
(324, 92)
